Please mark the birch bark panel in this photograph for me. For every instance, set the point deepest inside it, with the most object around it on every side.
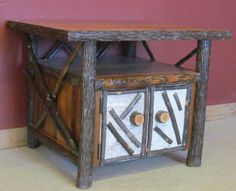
(119, 103)
(157, 142)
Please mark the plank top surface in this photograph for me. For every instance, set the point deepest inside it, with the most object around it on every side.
(75, 31)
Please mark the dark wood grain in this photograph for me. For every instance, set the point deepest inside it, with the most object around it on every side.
(68, 31)
(60, 79)
(194, 157)
(85, 161)
(52, 111)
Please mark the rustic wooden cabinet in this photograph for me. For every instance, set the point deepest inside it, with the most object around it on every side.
(162, 110)
(132, 119)
(100, 109)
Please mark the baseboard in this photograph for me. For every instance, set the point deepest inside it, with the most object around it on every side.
(222, 111)
(10, 138)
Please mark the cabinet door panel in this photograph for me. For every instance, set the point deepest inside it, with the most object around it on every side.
(123, 139)
(169, 119)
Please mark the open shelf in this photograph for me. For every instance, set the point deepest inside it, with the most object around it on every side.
(117, 66)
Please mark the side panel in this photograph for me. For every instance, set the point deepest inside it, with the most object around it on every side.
(69, 107)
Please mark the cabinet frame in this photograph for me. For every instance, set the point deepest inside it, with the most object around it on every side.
(148, 123)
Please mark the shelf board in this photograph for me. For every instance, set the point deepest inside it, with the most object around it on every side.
(117, 66)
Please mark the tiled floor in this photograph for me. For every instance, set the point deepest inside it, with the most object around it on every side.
(23, 169)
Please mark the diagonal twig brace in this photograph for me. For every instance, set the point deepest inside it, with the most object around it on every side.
(47, 98)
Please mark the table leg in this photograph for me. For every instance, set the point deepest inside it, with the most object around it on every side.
(194, 157)
(32, 141)
(85, 166)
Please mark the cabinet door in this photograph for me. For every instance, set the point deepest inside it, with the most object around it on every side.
(169, 118)
(124, 119)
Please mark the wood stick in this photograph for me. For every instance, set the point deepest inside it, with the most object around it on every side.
(172, 116)
(162, 116)
(36, 67)
(120, 139)
(60, 80)
(177, 100)
(124, 128)
(148, 51)
(87, 109)
(137, 118)
(183, 60)
(68, 48)
(163, 135)
(50, 104)
(103, 49)
(194, 157)
(130, 106)
(66, 69)
(32, 141)
(54, 114)
(53, 50)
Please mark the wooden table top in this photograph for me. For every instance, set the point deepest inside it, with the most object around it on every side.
(77, 31)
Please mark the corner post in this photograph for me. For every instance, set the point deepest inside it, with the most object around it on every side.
(32, 141)
(85, 159)
(194, 157)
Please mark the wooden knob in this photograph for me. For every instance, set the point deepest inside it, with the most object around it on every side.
(137, 118)
(162, 116)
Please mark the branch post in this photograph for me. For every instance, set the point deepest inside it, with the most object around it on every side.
(194, 157)
(85, 160)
